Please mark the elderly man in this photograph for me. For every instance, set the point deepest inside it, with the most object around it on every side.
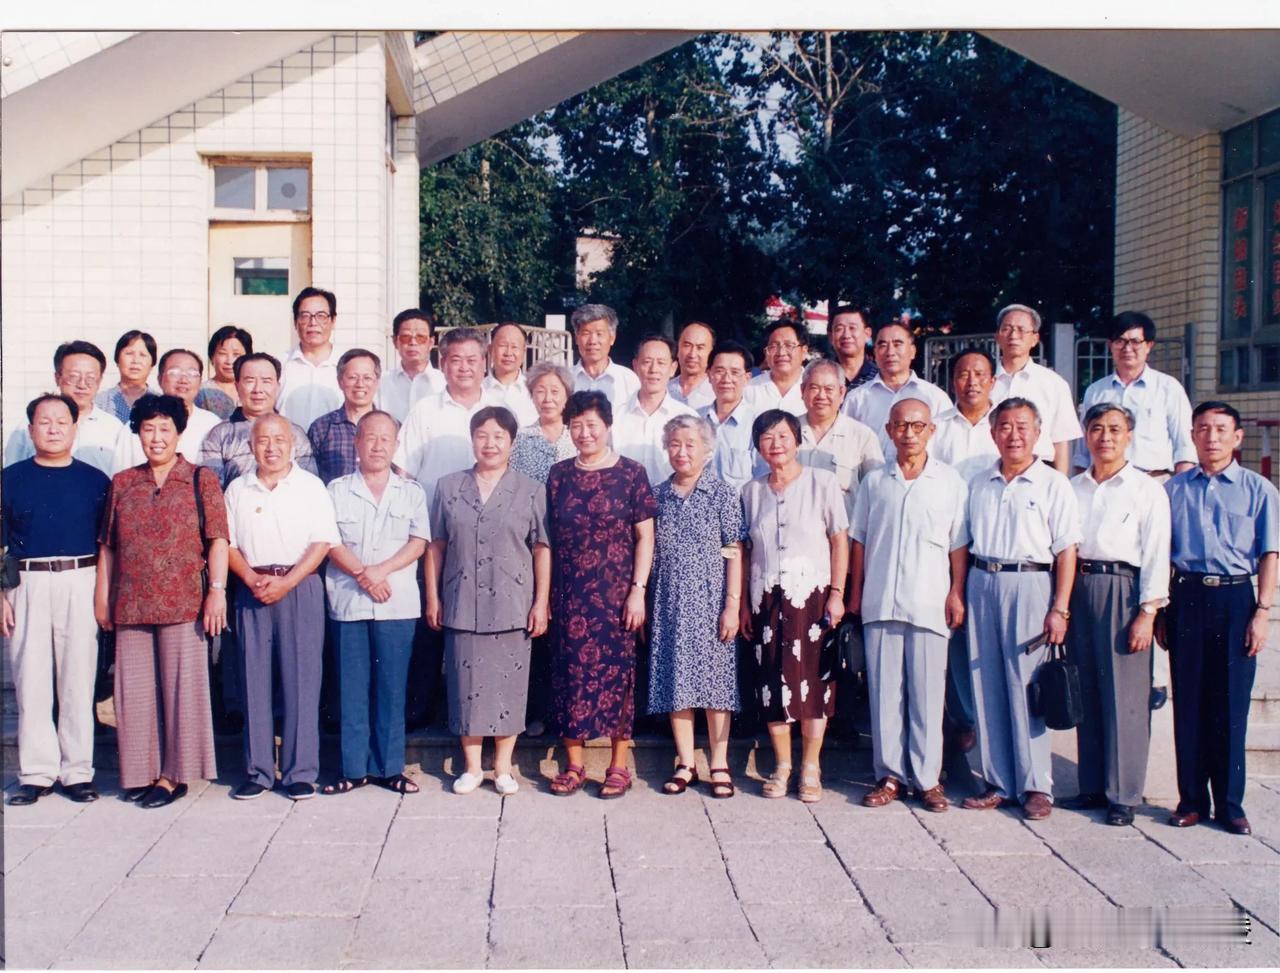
(907, 572)
(595, 329)
(374, 604)
(282, 526)
(309, 378)
(693, 351)
(895, 349)
(50, 508)
(1025, 526)
(1124, 581)
(786, 346)
(849, 335)
(180, 372)
(77, 371)
(730, 414)
(1017, 334)
(505, 383)
(1226, 530)
(333, 435)
(637, 425)
(413, 377)
(830, 440)
(1161, 443)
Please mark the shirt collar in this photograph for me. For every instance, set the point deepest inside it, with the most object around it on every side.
(490, 381)
(928, 472)
(296, 355)
(1231, 473)
(578, 369)
(912, 377)
(425, 374)
(257, 484)
(1121, 476)
(1140, 380)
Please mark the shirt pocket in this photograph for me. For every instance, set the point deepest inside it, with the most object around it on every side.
(349, 530)
(1239, 531)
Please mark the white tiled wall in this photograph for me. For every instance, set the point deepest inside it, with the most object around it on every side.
(30, 56)
(458, 60)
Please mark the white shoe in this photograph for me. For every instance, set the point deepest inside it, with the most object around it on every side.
(466, 783)
(505, 784)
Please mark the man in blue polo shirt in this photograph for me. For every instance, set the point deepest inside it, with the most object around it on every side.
(50, 507)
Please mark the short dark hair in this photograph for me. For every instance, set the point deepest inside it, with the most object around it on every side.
(770, 418)
(349, 356)
(411, 314)
(970, 350)
(152, 406)
(1215, 406)
(731, 347)
(78, 348)
(801, 332)
(226, 333)
(861, 310)
(499, 414)
(255, 356)
(895, 323)
(590, 401)
(1127, 321)
(129, 337)
(1008, 405)
(661, 339)
(66, 400)
(179, 351)
(1100, 409)
(316, 292)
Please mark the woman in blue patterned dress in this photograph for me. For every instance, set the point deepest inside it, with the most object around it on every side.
(697, 593)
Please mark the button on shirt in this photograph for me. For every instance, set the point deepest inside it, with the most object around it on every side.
(870, 405)
(374, 530)
(1126, 518)
(637, 434)
(964, 446)
(1033, 517)
(617, 382)
(849, 450)
(734, 454)
(764, 395)
(200, 423)
(398, 392)
(1162, 419)
(1051, 395)
(97, 433)
(909, 529)
(277, 526)
(436, 439)
(514, 397)
(308, 391)
(1225, 523)
(701, 396)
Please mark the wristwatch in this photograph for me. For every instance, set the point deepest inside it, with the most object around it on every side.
(1065, 613)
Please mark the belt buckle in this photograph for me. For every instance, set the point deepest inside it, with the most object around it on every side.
(1211, 581)
(993, 567)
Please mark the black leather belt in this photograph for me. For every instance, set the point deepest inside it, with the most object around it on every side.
(1122, 568)
(995, 567)
(275, 570)
(62, 564)
(1213, 580)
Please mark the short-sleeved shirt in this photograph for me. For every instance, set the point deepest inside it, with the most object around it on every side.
(637, 434)
(617, 382)
(514, 397)
(870, 404)
(849, 450)
(333, 443)
(790, 534)
(763, 394)
(97, 433)
(157, 549)
(964, 446)
(1162, 419)
(1225, 523)
(436, 439)
(908, 529)
(1051, 395)
(398, 392)
(52, 511)
(277, 526)
(228, 449)
(374, 530)
(1126, 518)
(1033, 517)
(307, 390)
(190, 444)
(701, 396)
(734, 456)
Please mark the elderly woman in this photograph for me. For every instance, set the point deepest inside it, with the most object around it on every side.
(697, 587)
(149, 590)
(218, 395)
(541, 444)
(797, 527)
(600, 514)
(488, 575)
(135, 357)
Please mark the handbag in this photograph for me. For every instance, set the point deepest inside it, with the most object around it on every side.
(1054, 694)
(840, 649)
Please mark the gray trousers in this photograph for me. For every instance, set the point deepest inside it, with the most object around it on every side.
(906, 683)
(1113, 739)
(289, 633)
(1006, 612)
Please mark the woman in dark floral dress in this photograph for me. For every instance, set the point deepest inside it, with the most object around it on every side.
(600, 517)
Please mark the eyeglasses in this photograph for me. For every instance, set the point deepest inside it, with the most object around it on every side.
(413, 339)
(1128, 342)
(182, 373)
(319, 317)
(915, 427)
(80, 378)
(782, 346)
(1010, 329)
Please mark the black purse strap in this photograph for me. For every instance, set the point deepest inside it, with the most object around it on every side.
(195, 482)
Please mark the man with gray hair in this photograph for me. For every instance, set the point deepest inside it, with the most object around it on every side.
(333, 435)
(830, 440)
(595, 329)
(1017, 334)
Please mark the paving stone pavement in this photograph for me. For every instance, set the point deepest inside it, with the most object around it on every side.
(374, 879)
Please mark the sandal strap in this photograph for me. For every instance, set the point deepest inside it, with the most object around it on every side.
(620, 775)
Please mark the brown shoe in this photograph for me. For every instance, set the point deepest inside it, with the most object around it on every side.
(1037, 806)
(1187, 819)
(990, 798)
(885, 792)
(934, 799)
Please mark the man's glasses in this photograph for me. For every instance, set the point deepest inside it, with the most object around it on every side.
(1128, 342)
(413, 339)
(776, 346)
(915, 427)
(319, 317)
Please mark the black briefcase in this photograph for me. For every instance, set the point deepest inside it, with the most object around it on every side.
(1054, 695)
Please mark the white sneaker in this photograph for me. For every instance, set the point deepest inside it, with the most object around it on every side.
(466, 783)
(505, 784)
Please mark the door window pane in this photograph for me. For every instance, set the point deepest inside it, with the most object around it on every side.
(1237, 151)
(233, 187)
(1227, 368)
(287, 189)
(1269, 364)
(1269, 139)
(262, 276)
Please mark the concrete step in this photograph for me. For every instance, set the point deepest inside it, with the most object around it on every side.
(1262, 748)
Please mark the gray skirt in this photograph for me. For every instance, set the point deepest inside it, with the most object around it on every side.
(488, 681)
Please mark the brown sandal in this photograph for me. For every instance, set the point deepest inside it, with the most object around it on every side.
(617, 781)
(722, 788)
(571, 781)
(678, 785)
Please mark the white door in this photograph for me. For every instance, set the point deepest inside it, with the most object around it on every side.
(255, 269)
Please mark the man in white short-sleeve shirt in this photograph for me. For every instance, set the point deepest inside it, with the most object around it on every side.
(412, 377)
(894, 349)
(309, 373)
(595, 329)
(637, 425)
(786, 347)
(730, 414)
(963, 437)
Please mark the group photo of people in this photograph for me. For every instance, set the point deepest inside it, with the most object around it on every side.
(227, 542)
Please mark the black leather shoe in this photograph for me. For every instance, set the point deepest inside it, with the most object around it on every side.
(82, 793)
(1084, 802)
(1238, 825)
(162, 797)
(1120, 815)
(248, 791)
(134, 794)
(300, 791)
(1159, 696)
(29, 794)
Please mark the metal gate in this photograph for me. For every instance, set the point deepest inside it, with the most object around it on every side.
(940, 350)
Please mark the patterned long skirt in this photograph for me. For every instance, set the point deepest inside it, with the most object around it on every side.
(786, 641)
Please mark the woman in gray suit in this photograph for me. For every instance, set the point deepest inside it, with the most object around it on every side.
(488, 575)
